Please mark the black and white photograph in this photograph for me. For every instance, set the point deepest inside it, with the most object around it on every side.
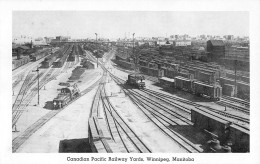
(167, 82)
(108, 85)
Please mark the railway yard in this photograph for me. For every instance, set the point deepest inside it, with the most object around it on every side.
(150, 102)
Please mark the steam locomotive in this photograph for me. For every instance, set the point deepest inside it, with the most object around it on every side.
(65, 96)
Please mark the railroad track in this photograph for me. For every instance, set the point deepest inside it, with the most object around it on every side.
(112, 134)
(237, 100)
(171, 99)
(122, 133)
(163, 117)
(25, 102)
(28, 82)
(18, 80)
(113, 126)
(160, 117)
(19, 140)
(236, 119)
(150, 78)
(231, 105)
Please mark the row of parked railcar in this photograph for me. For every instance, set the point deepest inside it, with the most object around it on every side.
(39, 55)
(18, 63)
(211, 91)
(62, 57)
(236, 137)
(48, 61)
(72, 54)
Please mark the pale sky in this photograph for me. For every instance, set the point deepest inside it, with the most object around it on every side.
(114, 24)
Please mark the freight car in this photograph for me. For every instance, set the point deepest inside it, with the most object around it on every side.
(166, 82)
(136, 80)
(18, 63)
(63, 57)
(243, 88)
(65, 96)
(199, 88)
(37, 56)
(208, 90)
(183, 83)
(227, 133)
(72, 54)
(48, 61)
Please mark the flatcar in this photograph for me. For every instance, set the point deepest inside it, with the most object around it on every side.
(65, 96)
(136, 80)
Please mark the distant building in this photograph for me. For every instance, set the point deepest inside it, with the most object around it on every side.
(48, 39)
(61, 39)
(182, 43)
(229, 37)
(215, 49)
(240, 53)
(39, 41)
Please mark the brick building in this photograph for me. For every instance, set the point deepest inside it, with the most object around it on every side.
(216, 50)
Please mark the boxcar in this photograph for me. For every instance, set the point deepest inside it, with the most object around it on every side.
(166, 82)
(227, 132)
(183, 83)
(210, 91)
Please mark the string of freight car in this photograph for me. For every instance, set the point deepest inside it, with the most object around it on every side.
(217, 111)
(160, 122)
(238, 129)
(223, 113)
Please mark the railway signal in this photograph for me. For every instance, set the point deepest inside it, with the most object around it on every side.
(37, 70)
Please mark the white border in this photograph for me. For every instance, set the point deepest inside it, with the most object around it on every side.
(6, 8)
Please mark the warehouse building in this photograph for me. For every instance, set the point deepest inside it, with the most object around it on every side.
(216, 50)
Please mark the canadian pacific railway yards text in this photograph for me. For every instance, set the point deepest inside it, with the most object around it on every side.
(132, 159)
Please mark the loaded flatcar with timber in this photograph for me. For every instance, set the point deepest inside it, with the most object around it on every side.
(65, 96)
(136, 80)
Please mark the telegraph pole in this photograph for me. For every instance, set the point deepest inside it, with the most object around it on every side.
(235, 77)
(96, 48)
(37, 70)
(133, 52)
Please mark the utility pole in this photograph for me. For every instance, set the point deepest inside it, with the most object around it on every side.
(37, 70)
(96, 48)
(235, 78)
(133, 52)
